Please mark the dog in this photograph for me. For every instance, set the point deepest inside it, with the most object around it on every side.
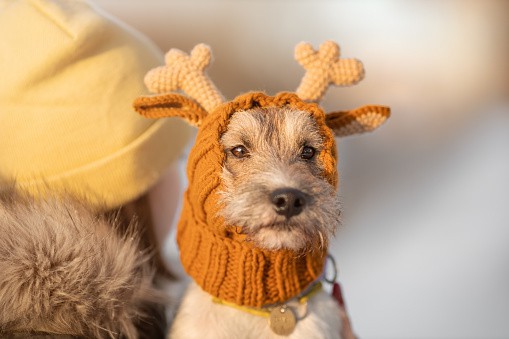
(262, 204)
(275, 191)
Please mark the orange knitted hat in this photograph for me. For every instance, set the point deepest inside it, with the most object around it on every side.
(218, 258)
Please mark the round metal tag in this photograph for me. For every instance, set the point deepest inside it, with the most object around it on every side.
(282, 321)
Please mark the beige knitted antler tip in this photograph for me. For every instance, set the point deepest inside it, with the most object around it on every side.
(347, 72)
(304, 53)
(155, 80)
(175, 55)
(329, 51)
(329, 44)
(303, 46)
(201, 56)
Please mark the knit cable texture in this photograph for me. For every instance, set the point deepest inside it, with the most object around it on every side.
(219, 259)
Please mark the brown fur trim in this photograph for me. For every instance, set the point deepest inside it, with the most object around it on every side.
(66, 271)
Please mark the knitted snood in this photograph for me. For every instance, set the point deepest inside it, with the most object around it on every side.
(217, 257)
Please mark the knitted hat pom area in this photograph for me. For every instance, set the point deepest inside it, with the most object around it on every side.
(226, 265)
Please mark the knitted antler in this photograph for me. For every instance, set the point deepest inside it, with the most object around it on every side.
(186, 72)
(324, 67)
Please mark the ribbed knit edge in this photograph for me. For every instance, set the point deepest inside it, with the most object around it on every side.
(243, 274)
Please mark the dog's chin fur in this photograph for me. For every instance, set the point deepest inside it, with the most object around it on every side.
(66, 271)
(220, 321)
(272, 238)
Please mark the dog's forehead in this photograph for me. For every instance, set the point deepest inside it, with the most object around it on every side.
(290, 124)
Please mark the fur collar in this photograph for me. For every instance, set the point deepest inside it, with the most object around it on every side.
(66, 271)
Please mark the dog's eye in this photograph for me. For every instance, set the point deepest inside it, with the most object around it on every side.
(308, 153)
(240, 151)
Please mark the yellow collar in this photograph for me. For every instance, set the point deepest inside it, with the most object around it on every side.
(265, 311)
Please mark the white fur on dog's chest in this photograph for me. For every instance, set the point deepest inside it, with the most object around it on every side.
(199, 317)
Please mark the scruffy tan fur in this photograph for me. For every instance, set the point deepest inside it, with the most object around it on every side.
(275, 139)
(64, 270)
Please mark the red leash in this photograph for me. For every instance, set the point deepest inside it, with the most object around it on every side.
(337, 294)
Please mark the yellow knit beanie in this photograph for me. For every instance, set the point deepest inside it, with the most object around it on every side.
(69, 75)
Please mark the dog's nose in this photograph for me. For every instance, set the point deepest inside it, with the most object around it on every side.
(288, 201)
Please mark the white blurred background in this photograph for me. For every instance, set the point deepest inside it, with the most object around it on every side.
(424, 251)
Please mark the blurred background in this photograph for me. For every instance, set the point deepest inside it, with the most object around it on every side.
(424, 249)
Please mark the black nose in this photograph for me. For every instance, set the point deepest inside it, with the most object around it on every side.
(288, 201)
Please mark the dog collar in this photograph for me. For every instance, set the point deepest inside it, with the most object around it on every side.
(265, 311)
(282, 318)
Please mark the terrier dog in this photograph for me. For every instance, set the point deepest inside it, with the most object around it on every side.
(262, 201)
(274, 190)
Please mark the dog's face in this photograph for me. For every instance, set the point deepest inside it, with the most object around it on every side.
(273, 183)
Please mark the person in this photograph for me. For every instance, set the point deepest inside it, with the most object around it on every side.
(70, 73)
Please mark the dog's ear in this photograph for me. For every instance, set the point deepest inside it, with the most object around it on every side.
(356, 121)
(170, 105)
